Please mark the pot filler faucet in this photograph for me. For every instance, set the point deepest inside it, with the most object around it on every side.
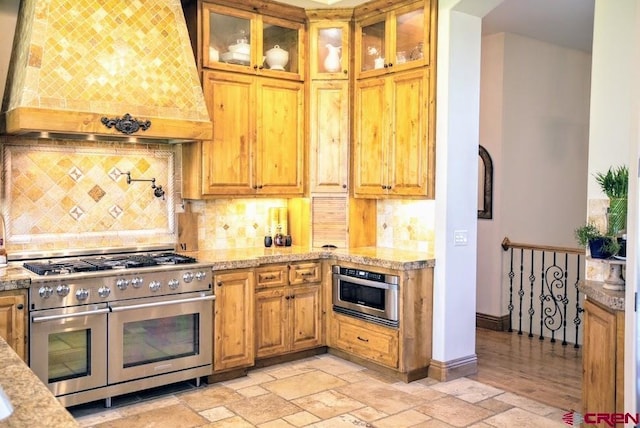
(158, 192)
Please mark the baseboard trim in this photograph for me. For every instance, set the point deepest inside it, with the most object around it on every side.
(444, 371)
(493, 322)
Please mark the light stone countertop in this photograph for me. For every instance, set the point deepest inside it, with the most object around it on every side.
(33, 404)
(609, 298)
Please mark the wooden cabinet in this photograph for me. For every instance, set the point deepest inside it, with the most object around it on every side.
(602, 360)
(406, 350)
(239, 40)
(288, 308)
(258, 141)
(13, 319)
(256, 103)
(392, 153)
(233, 319)
(329, 110)
(392, 37)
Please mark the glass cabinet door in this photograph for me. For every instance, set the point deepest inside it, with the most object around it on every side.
(410, 36)
(373, 46)
(229, 39)
(281, 46)
(329, 50)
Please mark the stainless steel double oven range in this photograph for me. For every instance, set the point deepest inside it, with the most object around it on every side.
(103, 325)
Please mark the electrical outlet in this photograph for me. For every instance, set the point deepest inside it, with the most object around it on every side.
(460, 237)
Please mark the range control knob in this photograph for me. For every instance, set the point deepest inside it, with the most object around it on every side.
(82, 294)
(122, 283)
(187, 277)
(200, 275)
(45, 291)
(104, 292)
(173, 283)
(137, 282)
(62, 290)
(154, 286)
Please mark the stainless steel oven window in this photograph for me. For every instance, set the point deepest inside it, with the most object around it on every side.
(160, 339)
(363, 295)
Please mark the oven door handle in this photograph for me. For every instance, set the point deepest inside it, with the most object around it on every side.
(73, 315)
(365, 282)
(165, 303)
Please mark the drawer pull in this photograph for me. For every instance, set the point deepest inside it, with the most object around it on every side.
(307, 274)
(270, 277)
(362, 339)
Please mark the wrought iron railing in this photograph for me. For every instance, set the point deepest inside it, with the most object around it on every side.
(542, 290)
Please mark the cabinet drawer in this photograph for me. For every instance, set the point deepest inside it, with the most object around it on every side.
(301, 273)
(271, 276)
(366, 340)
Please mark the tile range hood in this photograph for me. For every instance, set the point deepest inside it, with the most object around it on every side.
(80, 67)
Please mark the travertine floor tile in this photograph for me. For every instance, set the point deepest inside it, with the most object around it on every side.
(217, 414)
(433, 423)
(303, 384)
(254, 378)
(526, 403)
(467, 390)
(263, 408)
(252, 391)
(172, 416)
(234, 422)
(454, 411)
(496, 406)
(368, 414)
(301, 419)
(404, 419)
(210, 397)
(380, 396)
(327, 404)
(278, 423)
(333, 365)
(342, 421)
(523, 419)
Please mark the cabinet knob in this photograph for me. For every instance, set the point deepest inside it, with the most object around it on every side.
(255, 67)
(390, 64)
(287, 297)
(20, 306)
(344, 186)
(255, 187)
(345, 71)
(260, 186)
(219, 283)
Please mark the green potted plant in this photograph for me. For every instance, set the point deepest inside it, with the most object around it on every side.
(601, 246)
(615, 184)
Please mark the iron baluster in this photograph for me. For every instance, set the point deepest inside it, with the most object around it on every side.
(521, 291)
(532, 279)
(542, 298)
(511, 276)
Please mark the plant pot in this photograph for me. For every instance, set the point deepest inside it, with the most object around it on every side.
(597, 248)
(617, 215)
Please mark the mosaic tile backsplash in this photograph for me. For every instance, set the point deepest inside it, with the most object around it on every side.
(65, 196)
(104, 57)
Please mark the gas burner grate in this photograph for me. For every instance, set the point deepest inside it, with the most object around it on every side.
(172, 259)
(49, 268)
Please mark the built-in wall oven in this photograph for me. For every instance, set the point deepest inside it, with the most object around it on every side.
(100, 334)
(366, 294)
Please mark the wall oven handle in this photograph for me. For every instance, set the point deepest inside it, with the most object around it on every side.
(166, 303)
(75, 314)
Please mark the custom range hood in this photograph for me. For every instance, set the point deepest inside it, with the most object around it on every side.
(104, 70)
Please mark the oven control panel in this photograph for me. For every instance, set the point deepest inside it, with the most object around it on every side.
(65, 291)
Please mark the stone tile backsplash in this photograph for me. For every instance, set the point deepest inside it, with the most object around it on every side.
(63, 196)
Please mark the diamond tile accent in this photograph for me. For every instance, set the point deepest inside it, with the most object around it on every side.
(115, 211)
(115, 174)
(76, 212)
(75, 174)
(96, 193)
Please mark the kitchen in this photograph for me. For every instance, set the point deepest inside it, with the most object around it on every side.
(388, 237)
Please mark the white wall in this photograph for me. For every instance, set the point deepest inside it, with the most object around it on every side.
(534, 121)
(8, 16)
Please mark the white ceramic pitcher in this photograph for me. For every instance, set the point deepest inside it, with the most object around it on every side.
(332, 61)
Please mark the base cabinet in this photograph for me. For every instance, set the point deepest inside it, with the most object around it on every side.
(602, 360)
(288, 308)
(366, 340)
(13, 316)
(233, 320)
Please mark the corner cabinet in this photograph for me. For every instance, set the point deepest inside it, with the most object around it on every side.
(252, 76)
(288, 308)
(13, 319)
(233, 320)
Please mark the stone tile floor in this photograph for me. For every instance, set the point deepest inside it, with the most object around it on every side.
(322, 391)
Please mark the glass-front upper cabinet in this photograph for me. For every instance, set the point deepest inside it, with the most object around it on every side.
(246, 42)
(329, 50)
(396, 40)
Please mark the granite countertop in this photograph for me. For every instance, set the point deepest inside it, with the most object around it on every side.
(371, 256)
(33, 404)
(14, 276)
(608, 298)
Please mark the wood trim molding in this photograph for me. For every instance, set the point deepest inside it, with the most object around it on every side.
(492, 322)
(444, 371)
